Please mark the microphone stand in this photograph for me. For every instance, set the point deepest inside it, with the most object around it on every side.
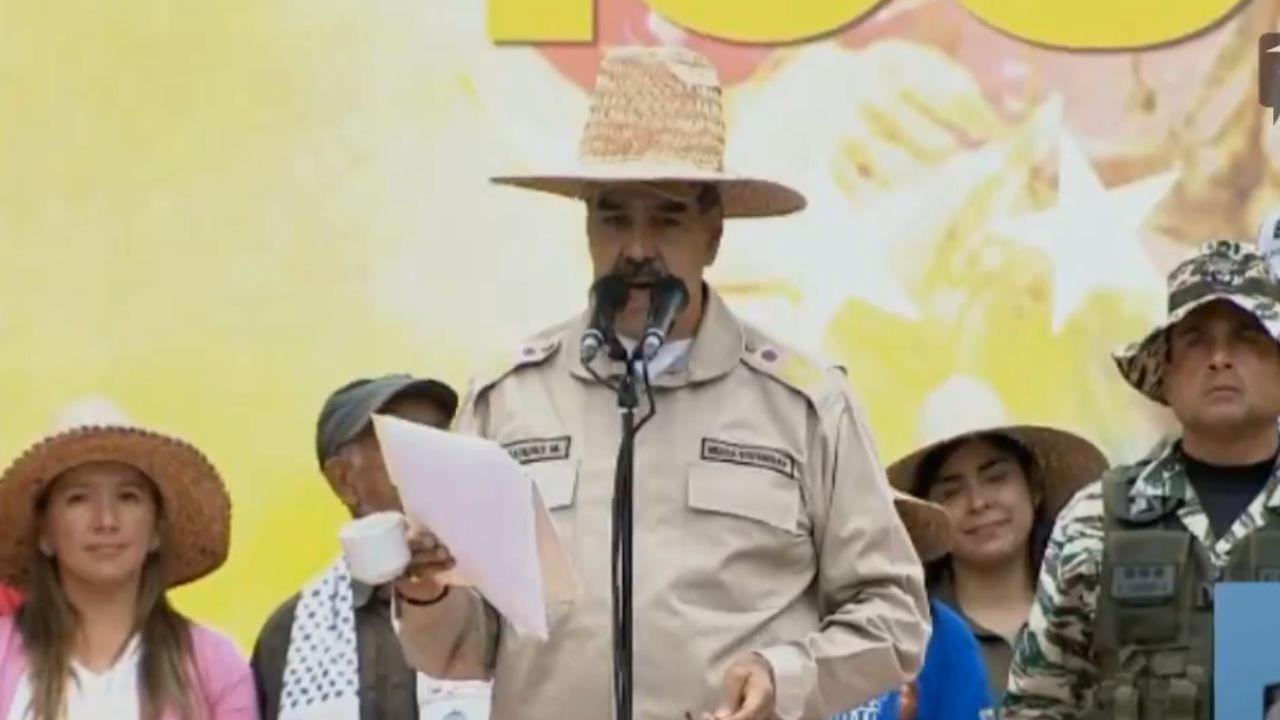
(627, 388)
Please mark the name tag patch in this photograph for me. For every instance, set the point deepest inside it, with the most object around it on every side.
(1144, 582)
(778, 461)
(539, 449)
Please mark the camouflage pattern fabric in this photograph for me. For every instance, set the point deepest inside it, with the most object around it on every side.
(1053, 675)
(1220, 270)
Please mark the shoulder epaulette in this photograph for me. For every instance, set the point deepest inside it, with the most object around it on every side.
(788, 366)
(533, 351)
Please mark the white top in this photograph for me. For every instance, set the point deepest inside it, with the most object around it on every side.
(449, 699)
(112, 693)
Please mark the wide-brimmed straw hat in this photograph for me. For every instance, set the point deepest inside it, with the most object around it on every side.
(1219, 270)
(964, 407)
(927, 524)
(196, 525)
(656, 116)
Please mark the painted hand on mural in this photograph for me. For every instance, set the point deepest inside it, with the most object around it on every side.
(895, 110)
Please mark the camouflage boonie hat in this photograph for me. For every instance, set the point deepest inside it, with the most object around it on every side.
(1220, 270)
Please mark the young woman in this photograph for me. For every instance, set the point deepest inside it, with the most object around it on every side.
(1002, 486)
(96, 524)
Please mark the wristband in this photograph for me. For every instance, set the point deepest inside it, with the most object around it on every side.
(423, 603)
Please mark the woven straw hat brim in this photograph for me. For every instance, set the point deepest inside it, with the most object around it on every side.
(927, 524)
(1066, 461)
(742, 197)
(657, 115)
(1142, 364)
(196, 527)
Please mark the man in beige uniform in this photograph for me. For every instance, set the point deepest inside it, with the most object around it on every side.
(772, 576)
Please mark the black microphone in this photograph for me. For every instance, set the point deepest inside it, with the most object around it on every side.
(608, 296)
(667, 298)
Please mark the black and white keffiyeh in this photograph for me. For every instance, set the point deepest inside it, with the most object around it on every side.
(321, 669)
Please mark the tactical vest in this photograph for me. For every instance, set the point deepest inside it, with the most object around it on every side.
(1153, 635)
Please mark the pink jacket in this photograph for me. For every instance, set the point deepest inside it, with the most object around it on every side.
(225, 681)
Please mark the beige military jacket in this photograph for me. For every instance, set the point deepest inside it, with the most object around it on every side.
(763, 522)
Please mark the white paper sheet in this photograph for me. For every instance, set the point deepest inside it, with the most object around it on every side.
(486, 510)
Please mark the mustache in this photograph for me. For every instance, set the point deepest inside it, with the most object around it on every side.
(638, 273)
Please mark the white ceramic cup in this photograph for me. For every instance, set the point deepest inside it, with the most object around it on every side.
(375, 547)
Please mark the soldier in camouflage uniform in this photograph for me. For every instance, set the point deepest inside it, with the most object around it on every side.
(1122, 627)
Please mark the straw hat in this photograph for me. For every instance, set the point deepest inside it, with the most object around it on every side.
(967, 407)
(195, 530)
(927, 524)
(1219, 270)
(656, 116)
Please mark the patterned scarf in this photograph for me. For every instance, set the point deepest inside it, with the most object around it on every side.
(321, 670)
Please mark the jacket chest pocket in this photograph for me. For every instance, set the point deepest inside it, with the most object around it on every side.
(745, 540)
(557, 484)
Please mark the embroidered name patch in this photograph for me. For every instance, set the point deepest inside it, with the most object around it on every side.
(778, 461)
(538, 450)
(1150, 583)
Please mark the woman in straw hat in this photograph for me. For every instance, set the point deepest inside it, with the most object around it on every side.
(97, 522)
(1002, 484)
(953, 683)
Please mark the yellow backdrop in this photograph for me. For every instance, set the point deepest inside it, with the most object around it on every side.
(214, 213)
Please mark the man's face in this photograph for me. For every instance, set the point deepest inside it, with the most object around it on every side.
(642, 232)
(358, 473)
(1224, 371)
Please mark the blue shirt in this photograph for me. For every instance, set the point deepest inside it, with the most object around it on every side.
(952, 684)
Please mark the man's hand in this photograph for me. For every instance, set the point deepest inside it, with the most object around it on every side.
(749, 692)
(428, 560)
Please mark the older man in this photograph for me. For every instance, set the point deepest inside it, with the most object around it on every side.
(772, 574)
(331, 649)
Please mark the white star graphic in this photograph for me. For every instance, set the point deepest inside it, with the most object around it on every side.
(836, 251)
(1092, 233)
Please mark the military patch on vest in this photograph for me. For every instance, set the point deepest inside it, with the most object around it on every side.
(538, 450)
(779, 461)
(1269, 574)
(1144, 583)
